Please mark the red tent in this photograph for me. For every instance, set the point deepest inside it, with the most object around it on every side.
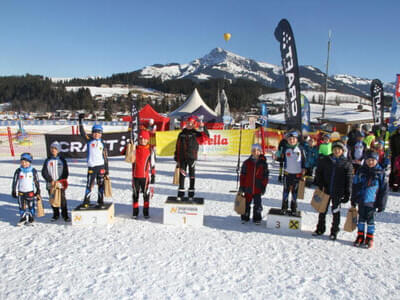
(147, 113)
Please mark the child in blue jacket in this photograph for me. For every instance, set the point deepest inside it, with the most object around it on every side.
(311, 156)
(370, 191)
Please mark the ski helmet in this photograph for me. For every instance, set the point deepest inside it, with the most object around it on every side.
(97, 128)
(144, 134)
(56, 145)
(27, 156)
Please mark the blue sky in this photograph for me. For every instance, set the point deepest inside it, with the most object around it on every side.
(98, 38)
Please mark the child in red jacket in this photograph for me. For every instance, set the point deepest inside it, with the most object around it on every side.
(143, 173)
(253, 182)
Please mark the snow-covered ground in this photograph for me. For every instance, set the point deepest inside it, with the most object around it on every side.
(144, 259)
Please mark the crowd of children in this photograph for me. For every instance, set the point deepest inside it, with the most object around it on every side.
(352, 167)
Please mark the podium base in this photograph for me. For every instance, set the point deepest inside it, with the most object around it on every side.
(288, 222)
(93, 215)
(184, 212)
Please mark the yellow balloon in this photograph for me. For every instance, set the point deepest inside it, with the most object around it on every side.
(227, 36)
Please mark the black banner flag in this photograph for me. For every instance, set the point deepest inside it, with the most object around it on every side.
(377, 102)
(284, 34)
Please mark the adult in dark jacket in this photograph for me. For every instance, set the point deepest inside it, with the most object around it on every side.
(334, 177)
(187, 148)
(253, 182)
(55, 172)
(353, 135)
(394, 145)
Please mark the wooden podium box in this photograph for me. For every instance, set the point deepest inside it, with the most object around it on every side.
(283, 222)
(93, 215)
(185, 212)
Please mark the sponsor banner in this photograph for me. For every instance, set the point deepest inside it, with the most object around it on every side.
(221, 142)
(284, 35)
(58, 122)
(395, 112)
(377, 102)
(74, 146)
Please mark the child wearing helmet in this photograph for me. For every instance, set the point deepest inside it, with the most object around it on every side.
(143, 173)
(186, 150)
(55, 172)
(293, 157)
(97, 162)
(26, 187)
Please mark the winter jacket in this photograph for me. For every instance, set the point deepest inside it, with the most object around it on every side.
(383, 159)
(96, 150)
(55, 168)
(187, 145)
(254, 175)
(145, 162)
(325, 149)
(311, 154)
(25, 180)
(334, 176)
(357, 151)
(283, 143)
(293, 158)
(353, 137)
(369, 139)
(370, 187)
(394, 144)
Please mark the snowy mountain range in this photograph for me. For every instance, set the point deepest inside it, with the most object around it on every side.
(220, 63)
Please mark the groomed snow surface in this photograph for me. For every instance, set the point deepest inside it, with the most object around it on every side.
(144, 259)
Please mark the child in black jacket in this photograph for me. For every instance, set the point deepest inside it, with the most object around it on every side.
(55, 172)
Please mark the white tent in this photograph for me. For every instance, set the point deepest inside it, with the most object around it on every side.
(190, 105)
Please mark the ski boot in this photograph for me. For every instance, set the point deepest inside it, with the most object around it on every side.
(22, 221)
(30, 220)
(318, 232)
(67, 219)
(146, 213)
(181, 194)
(135, 213)
(359, 240)
(54, 218)
(284, 209)
(191, 194)
(333, 235)
(369, 241)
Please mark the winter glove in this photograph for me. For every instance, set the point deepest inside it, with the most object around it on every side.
(14, 194)
(344, 199)
(380, 209)
(153, 179)
(241, 190)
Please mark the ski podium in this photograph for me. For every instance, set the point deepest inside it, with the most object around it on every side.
(184, 212)
(93, 215)
(277, 220)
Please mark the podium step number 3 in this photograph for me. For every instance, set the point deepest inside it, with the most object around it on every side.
(288, 223)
